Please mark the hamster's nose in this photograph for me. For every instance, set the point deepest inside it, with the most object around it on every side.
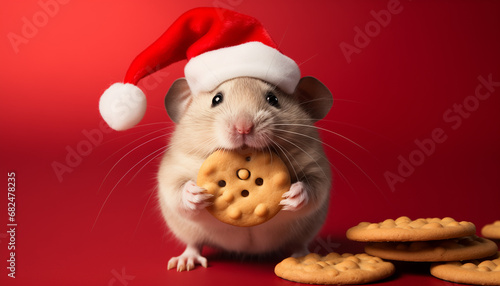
(243, 126)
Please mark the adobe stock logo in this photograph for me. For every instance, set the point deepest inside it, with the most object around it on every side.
(120, 278)
(32, 25)
(454, 117)
(75, 155)
(372, 29)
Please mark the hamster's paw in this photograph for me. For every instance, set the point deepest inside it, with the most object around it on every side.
(194, 197)
(295, 198)
(187, 260)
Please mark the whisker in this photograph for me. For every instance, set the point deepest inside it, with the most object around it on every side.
(313, 100)
(344, 178)
(123, 157)
(150, 124)
(283, 151)
(207, 141)
(330, 163)
(137, 139)
(363, 129)
(303, 172)
(323, 129)
(322, 121)
(112, 190)
(161, 151)
(270, 151)
(349, 100)
(305, 152)
(277, 51)
(336, 150)
(144, 210)
(310, 58)
(128, 134)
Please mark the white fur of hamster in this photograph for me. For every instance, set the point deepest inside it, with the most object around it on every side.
(253, 113)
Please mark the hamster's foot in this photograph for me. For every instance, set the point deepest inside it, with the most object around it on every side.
(295, 198)
(187, 260)
(194, 197)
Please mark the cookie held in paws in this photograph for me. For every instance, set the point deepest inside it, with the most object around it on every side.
(491, 230)
(480, 272)
(334, 269)
(463, 248)
(247, 185)
(405, 229)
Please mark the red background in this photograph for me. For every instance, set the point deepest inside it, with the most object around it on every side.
(98, 223)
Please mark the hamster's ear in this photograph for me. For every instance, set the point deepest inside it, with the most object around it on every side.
(314, 96)
(178, 99)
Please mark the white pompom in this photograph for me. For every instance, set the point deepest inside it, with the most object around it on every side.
(122, 106)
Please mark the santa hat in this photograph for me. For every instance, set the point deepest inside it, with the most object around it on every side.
(219, 45)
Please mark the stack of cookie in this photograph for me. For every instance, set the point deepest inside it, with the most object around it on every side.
(429, 240)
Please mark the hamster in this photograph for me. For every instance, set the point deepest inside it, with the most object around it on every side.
(245, 112)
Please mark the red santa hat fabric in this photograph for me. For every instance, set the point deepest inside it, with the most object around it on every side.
(218, 45)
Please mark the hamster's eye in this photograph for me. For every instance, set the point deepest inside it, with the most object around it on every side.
(272, 99)
(217, 99)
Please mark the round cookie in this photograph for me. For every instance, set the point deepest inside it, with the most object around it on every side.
(491, 230)
(463, 248)
(334, 269)
(405, 229)
(247, 185)
(480, 272)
